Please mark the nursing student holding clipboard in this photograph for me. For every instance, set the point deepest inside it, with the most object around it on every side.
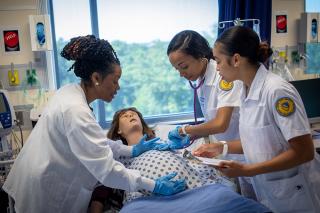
(274, 130)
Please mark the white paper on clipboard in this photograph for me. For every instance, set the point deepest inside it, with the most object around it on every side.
(211, 161)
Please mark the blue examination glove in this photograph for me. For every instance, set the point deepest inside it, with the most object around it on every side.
(144, 146)
(166, 186)
(176, 140)
(175, 133)
(179, 143)
(162, 146)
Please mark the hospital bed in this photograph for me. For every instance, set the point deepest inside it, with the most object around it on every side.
(217, 197)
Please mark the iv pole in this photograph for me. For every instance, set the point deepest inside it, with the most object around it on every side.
(238, 22)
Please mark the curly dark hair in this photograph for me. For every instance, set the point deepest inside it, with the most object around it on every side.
(90, 54)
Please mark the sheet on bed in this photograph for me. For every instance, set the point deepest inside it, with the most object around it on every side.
(215, 198)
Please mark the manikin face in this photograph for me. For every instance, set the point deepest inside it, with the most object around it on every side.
(129, 122)
(225, 64)
(189, 67)
(109, 86)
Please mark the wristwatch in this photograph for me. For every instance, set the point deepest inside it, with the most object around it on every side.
(225, 148)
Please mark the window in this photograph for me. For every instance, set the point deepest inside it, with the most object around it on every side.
(67, 26)
(312, 6)
(313, 49)
(140, 32)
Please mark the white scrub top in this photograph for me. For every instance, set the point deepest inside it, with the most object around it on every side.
(213, 95)
(65, 155)
(270, 115)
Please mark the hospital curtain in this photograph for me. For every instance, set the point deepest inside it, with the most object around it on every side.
(247, 9)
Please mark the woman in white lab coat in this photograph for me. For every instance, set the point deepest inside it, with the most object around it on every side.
(274, 129)
(190, 54)
(67, 152)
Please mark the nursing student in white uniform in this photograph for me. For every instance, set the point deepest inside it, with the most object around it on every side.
(190, 54)
(67, 152)
(274, 130)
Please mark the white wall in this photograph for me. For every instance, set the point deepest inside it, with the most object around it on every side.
(289, 41)
(293, 9)
(14, 13)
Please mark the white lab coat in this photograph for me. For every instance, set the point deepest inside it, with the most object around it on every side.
(212, 97)
(65, 155)
(264, 135)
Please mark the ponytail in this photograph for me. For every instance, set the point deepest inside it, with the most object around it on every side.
(264, 52)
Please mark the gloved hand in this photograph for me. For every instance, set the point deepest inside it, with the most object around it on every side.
(162, 146)
(179, 143)
(144, 146)
(166, 186)
(175, 133)
(176, 140)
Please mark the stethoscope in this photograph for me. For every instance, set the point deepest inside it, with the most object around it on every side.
(195, 88)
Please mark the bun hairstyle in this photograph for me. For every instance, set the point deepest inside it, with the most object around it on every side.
(264, 52)
(90, 54)
(191, 43)
(246, 42)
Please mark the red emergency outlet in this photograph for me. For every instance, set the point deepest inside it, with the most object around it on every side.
(11, 40)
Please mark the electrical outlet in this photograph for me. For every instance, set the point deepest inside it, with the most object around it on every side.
(23, 120)
(19, 118)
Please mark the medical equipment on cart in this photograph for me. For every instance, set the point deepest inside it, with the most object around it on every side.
(7, 117)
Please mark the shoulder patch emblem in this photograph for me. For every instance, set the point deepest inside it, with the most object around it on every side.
(226, 86)
(285, 106)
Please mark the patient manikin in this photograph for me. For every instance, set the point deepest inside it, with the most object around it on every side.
(128, 126)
